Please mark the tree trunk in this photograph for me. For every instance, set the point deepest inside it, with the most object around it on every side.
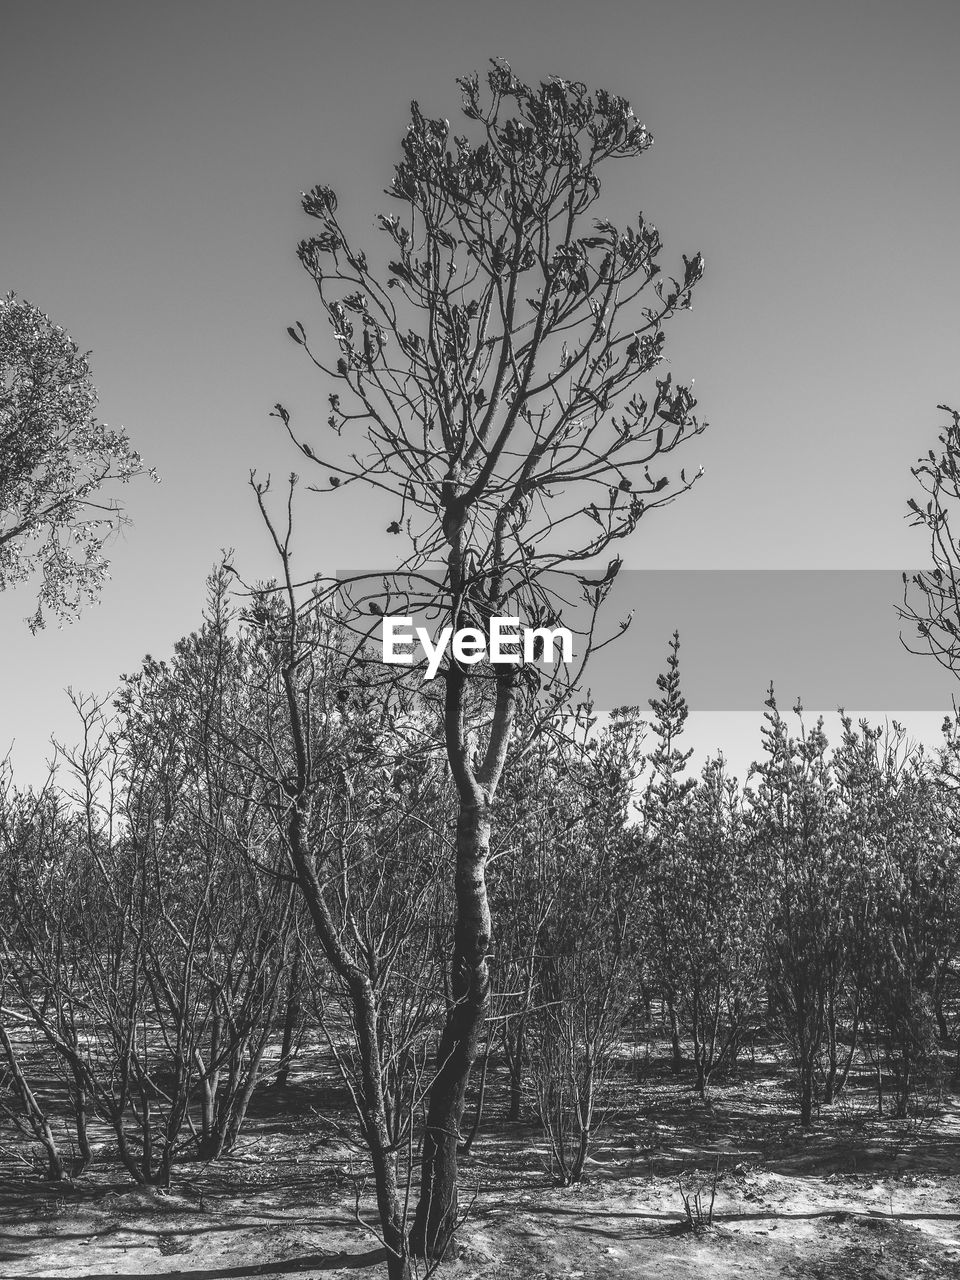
(806, 1093)
(584, 1120)
(833, 1064)
(515, 1042)
(699, 1045)
(389, 1202)
(903, 1083)
(939, 987)
(676, 1055)
(291, 1019)
(36, 1117)
(436, 1215)
(841, 1082)
(80, 1100)
(833, 1058)
(81, 1108)
(363, 1004)
(478, 1118)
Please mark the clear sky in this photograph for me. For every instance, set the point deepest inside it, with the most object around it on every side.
(151, 160)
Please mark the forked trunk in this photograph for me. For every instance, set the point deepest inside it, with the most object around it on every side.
(436, 1216)
(371, 1103)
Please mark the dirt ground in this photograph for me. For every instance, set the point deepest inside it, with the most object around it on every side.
(853, 1198)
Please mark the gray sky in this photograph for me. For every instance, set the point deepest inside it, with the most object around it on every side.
(151, 159)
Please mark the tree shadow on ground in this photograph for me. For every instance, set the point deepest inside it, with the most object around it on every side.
(290, 1266)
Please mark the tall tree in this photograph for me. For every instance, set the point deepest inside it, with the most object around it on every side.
(55, 459)
(488, 382)
(664, 810)
(931, 597)
(794, 814)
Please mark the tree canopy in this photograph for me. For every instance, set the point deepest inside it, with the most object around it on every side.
(55, 459)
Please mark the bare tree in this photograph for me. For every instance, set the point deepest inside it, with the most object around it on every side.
(146, 941)
(359, 811)
(488, 384)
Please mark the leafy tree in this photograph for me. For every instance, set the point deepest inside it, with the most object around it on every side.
(915, 896)
(663, 813)
(55, 458)
(947, 977)
(488, 385)
(931, 597)
(794, 813)
(704, 899)
(901, 865)
(708, 913)
(585, 992)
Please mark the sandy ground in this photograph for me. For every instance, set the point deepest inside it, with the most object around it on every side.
(855, 1198)
(766, 1225)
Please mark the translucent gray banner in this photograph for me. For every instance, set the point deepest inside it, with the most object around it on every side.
(831, 638)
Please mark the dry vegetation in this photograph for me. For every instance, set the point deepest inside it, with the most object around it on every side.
(309, 965)
(853, 1196)
(722, 1032)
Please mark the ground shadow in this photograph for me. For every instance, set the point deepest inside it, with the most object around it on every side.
(290, 1266)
